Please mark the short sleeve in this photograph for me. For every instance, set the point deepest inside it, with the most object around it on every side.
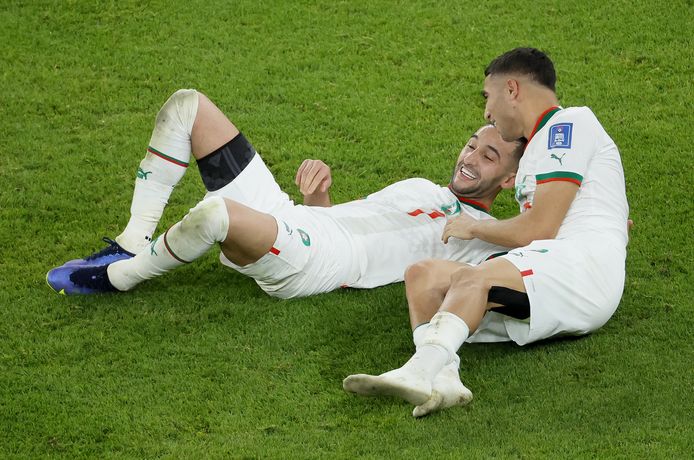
(570, 145)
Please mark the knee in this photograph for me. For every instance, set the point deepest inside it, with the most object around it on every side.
(180, 109)
(418, 271)
(209, 219)
(182, 95)
(467, 277)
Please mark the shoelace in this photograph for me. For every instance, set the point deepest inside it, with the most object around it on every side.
(110, 249)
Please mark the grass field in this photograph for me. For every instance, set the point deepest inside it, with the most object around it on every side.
(200, 363)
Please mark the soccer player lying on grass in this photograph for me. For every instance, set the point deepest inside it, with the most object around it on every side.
(290, 250)
(567, 274)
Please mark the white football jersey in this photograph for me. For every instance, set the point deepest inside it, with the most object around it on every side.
(403, 224)
(571, 145)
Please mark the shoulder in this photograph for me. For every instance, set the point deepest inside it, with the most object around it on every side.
(580, 116)
(570, 127)
(415, 185)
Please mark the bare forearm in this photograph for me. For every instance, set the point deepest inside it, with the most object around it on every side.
(512, 233)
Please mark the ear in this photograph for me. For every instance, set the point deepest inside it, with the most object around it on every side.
(512, 88)
(509, 182)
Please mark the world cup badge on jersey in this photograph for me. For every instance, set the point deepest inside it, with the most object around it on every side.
(560, 136)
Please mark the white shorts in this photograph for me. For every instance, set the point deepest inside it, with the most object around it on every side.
(309, 255)
(574, 287)
(256, 188)
(305, 259)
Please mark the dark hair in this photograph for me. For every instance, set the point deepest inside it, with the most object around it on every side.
(526, 61)
(519, 150)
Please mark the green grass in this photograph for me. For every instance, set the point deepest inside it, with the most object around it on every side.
(200, 363)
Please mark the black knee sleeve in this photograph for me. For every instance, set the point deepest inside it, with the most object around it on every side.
(513, 303)
(223, 165)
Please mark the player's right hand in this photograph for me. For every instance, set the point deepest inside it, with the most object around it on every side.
(313, 176)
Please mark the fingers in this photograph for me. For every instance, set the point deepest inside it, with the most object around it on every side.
(301, 171)
(313, 175)
(446, 234)
(325, 185)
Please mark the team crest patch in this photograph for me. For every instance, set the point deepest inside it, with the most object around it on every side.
(560, 136)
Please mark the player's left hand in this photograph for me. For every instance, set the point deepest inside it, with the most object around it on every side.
(458, 227)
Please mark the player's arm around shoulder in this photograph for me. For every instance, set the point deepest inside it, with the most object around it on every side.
(541, 222)
(560, 158)
(314, 180)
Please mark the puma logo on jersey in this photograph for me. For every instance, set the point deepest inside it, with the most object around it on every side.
(151, 247)
(558, 158)
(142, 174)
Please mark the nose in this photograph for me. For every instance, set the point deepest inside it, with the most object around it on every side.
(470, 157)
(487, 115)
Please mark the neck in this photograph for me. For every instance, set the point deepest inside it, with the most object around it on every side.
(482, 202)
(535, 106)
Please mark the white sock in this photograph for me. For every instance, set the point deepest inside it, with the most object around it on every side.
(419, 333)
(426, 362)
(418, 336)
(204, 226)
(162, 168)
(447, 331)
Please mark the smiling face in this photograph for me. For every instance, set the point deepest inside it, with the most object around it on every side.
(501, 92)
(485, 165)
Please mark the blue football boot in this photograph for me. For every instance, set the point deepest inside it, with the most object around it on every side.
(111, 253)
(76, 279)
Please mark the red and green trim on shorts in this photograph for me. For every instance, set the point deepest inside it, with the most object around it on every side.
(166, 157)
(542, 121)
(563, 176)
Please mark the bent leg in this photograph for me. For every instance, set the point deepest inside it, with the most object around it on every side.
(467, 296)
(211, 130)
(187, 122)
(250, 236)
(426, 285)
(461, 312)
(245, 235)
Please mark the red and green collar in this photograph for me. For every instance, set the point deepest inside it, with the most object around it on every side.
(475, 204)
(542, 121)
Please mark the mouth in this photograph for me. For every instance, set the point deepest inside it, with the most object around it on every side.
(467, 174)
